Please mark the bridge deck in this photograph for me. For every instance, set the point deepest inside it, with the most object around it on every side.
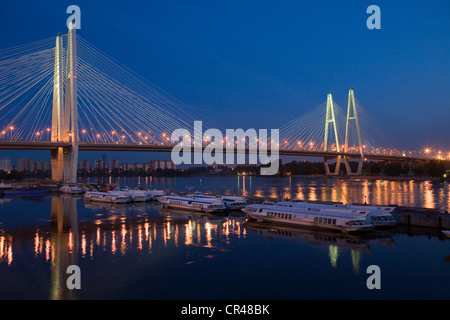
(138, 147)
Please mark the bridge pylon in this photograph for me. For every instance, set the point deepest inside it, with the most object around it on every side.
(353, 115)
(331, 119)
(57, 163)
(65, 112)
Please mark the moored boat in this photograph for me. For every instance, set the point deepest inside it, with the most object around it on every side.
(231, 202)
(71, 189)
(189, 203)
(138, 195)
(343, 220)
(24, 192)
(108, 197)
(381, 216)
(155, 194)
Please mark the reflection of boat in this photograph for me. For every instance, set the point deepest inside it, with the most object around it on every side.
(322, 218)
(319, 237)
(188, 203)
(183, 215)
(231, 202)
(96, 196)
(71, 189)
(381, 216)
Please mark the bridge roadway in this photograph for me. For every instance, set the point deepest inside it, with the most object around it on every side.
(142, 147)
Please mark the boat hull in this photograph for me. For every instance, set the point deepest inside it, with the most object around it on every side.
(310, 225)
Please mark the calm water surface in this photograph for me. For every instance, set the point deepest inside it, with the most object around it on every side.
(141, 251)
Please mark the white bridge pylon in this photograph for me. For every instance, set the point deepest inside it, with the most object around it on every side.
(330, 119)
(64, 113)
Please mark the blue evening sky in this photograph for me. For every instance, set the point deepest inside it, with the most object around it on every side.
(262, 63)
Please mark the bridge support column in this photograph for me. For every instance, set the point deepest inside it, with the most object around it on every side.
(327, 166)
(349, 169)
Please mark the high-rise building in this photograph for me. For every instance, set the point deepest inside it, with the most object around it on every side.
(114, 164)
(5, 164)
(85, 165)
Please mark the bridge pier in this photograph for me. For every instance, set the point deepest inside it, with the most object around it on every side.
(349, 169)
(327, 166)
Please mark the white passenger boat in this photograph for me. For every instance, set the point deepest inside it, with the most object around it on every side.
(138, 195)
(231, 202)
(71, 189)
(381, 216)
(343, 220)
(5, 186)
(108, 197)
(189, 203)
(155, 194)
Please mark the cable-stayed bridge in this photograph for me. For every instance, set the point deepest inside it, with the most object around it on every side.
(64, 95)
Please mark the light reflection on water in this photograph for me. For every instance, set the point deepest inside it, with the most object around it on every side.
(426, 194)
(177, 254)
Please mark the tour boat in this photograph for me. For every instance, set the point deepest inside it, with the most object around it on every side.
(117, 197)
(381, 216)
(343, 220)
(189, 203)
(139, 195)
(231, 202)
(71, 189)
(155, 194)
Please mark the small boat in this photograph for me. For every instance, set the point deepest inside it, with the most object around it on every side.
(71, 189)
(446, 233)
(5, 186)
(108, 197)
(322, 218)
(231, 202)
(188, 203)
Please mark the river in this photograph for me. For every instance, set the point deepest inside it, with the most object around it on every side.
(141, 251)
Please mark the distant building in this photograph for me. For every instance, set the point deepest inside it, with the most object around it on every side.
(26, 165)
(99, 165)
(85, 165)
(162, 164)
(114, 164)
(5, 164)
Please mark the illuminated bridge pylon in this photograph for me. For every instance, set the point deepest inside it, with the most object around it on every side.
(353, 115)
(330, 119)
(64, 112)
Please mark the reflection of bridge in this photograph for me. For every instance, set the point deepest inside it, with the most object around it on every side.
(48, 92)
